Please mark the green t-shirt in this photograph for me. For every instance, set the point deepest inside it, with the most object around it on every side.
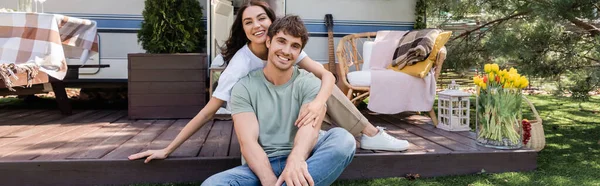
(275, 107)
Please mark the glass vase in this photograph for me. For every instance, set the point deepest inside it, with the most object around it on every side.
(25, 6)
(498, 119)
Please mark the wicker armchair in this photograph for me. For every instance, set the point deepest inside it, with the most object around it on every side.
(349, 55)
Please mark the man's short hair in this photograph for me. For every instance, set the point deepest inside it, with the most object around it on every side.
(291, 25)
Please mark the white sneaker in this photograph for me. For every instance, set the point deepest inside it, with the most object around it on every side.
(382, 141)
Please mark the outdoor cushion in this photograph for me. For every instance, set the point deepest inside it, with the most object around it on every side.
(367, 50)
(421, 69)
(360, 78)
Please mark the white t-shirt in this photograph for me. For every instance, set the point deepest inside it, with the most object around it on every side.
(242, 63)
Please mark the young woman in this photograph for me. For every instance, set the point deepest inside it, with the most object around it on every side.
(246, 51)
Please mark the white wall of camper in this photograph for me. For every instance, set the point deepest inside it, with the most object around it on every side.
(380, 10)
(130, 7)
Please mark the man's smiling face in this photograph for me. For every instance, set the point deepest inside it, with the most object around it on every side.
(283, 50)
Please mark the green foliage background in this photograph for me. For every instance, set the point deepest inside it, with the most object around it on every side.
(552, 39)
(172, 26)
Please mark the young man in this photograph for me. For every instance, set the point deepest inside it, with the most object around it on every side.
(266, 103)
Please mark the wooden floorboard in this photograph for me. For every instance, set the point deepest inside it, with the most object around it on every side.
(217, 143)
(64, 134)
(428, 146)
(468, 134)
(8, 131)
(29, 131)
(192, 146)
(441, 140)
(90, 141)
(165, 138)
(131, 129)
(41, 118)
(6, 111)
(139, 141)
(20, 115)
(234, 147)
(26, 119)
(11, 112)
(451, 135)
(53, 144)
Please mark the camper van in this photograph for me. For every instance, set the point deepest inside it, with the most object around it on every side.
(119, 20)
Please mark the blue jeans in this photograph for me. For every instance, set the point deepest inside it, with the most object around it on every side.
(330, 156)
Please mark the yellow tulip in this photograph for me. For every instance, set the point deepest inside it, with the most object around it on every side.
(476, 80)
(508, 78)
(491, 76)
(513, 77)
(487, 68)
(513, 71)
(516, 83)
(525, 84)
(483, 86)
(495, 68)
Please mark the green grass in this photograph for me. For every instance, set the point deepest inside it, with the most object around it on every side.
(571, 156)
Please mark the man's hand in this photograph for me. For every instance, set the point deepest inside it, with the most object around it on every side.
(295, 173)
(150, 154)
(309, 113)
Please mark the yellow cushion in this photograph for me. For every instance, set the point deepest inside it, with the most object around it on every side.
(420, 69)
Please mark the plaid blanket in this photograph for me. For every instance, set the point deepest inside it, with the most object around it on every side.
(30, 42)
(415, 46)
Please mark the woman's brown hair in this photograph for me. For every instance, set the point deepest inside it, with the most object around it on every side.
(238, 38)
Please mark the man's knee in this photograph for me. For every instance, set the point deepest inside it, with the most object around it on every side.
(212, 180)
(221, 178)
(236, 176)
(345, 142)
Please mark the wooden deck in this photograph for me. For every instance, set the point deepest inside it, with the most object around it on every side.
(43, 147)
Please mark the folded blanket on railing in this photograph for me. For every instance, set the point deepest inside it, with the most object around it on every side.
(8, 71)
(415, 46)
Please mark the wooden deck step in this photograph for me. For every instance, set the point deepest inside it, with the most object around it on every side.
(91, 147)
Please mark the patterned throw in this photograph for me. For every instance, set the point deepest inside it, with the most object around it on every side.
(414, 47)
(30, 42)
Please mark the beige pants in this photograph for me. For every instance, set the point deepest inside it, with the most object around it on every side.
(341, 112)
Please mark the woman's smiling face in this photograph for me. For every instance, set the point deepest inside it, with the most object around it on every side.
(256, 24)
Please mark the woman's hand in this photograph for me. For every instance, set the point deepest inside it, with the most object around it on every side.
(150, 155)
(309, 113)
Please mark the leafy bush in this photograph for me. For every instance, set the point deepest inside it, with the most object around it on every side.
(172, 26)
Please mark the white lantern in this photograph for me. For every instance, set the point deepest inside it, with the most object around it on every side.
(453, 109)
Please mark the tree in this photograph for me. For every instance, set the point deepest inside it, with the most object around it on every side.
(544, 38)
